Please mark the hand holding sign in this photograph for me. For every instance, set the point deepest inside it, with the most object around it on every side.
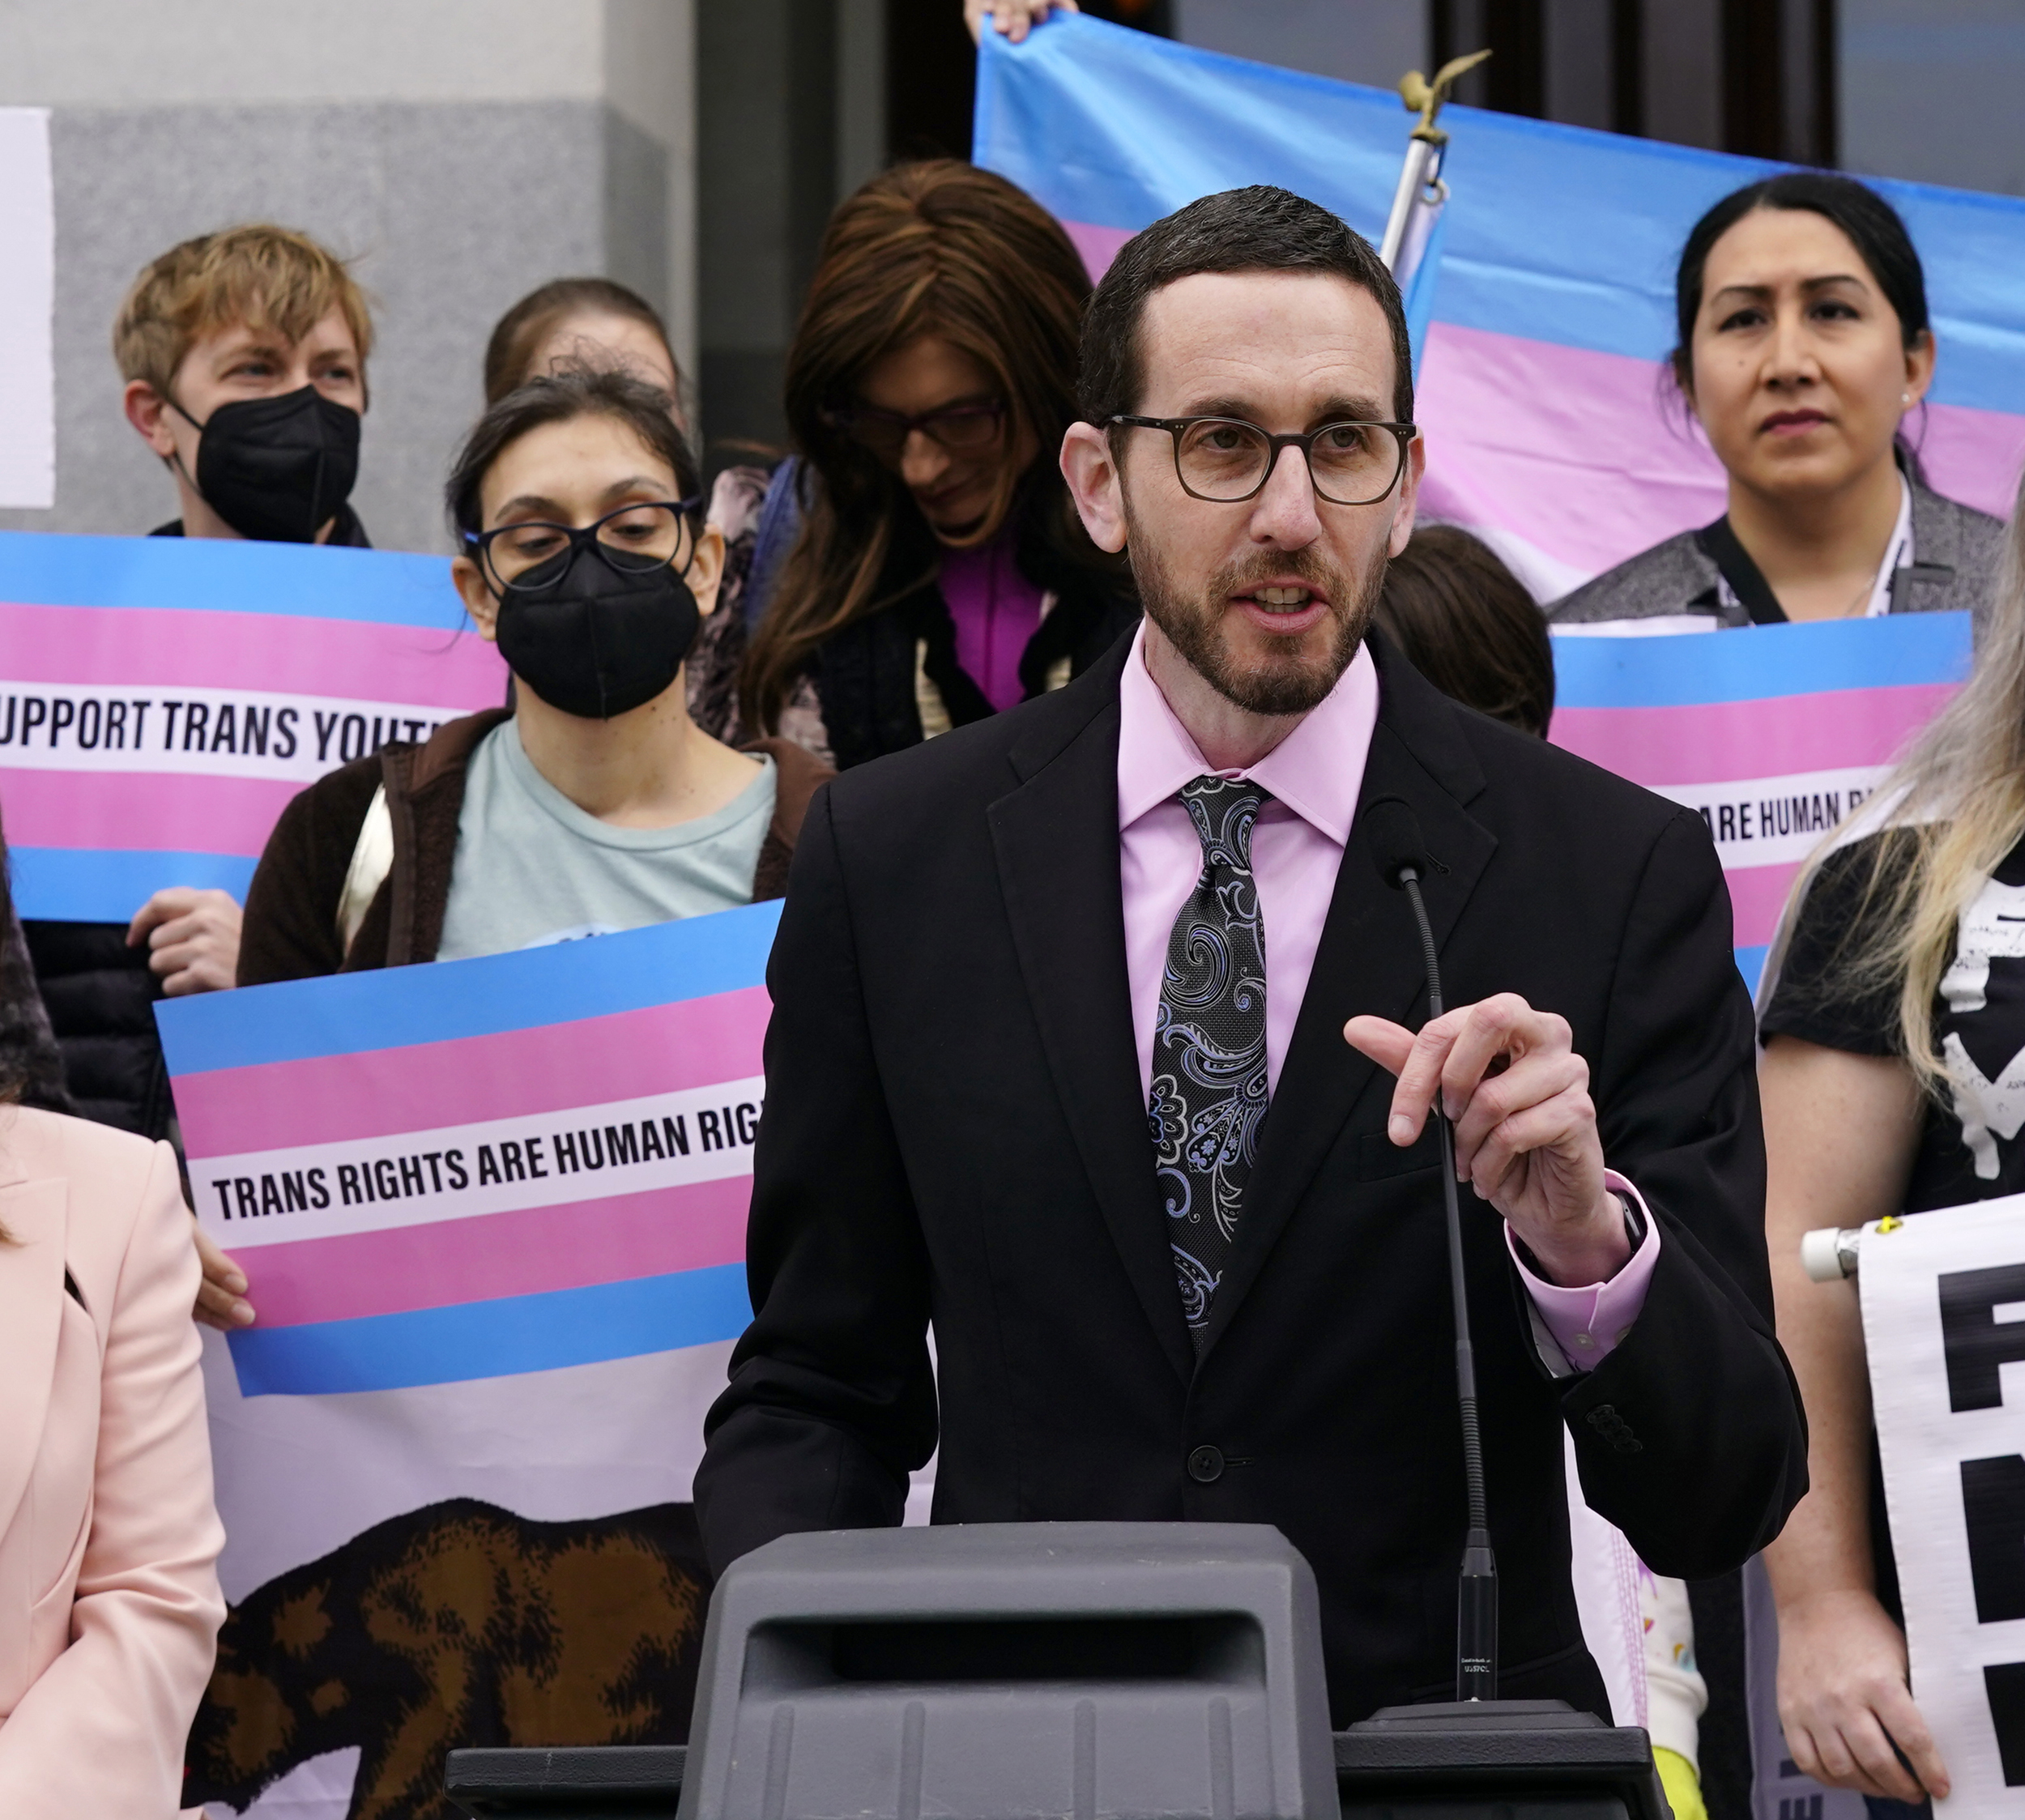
(193, 937)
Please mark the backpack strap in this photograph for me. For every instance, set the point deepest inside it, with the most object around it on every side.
(371, 859)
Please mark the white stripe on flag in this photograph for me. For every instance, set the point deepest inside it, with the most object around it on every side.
(322, 1191)
(1774, 821)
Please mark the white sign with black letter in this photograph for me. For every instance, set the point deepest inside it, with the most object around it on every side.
(1944, 1325)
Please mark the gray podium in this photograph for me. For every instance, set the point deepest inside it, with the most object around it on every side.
(1085, 1671)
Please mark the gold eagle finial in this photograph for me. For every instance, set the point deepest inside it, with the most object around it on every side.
(1426, 98)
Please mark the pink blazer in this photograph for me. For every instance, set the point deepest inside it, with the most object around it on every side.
(110, 1606)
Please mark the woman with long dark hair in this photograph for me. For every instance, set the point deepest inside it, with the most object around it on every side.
(1805, 346)
(940, 573)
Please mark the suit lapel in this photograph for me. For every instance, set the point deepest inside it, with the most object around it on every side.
(31, 1314)
(1368, 960)
(1055, 838)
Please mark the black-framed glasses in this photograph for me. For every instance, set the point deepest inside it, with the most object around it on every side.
(1227, 461)
(963, 429)
(633, 540)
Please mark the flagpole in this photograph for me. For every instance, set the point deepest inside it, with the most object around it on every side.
(1420, 176)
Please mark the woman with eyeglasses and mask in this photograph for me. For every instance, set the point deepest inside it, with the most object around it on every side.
(595, 803)
(940, 573)
(1804, 347)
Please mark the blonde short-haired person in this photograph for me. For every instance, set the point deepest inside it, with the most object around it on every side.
(109, 1605)
(241, 356)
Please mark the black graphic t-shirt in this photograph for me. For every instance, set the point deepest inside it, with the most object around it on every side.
(1970, 1148)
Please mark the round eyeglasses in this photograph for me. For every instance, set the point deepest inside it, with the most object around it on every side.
(1227, 461)
(963, 429)
(632, 540)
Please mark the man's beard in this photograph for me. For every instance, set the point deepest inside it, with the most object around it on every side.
(1194, 627)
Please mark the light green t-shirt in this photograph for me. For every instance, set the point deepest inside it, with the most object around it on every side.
(531, 868)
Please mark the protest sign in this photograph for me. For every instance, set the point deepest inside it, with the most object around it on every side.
(492, 1213)
(1943, 1299)
(161, 699)
(27, 301)
(1772, 735)
(1553, 427)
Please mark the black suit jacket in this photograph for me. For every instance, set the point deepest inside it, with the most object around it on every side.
(955, 1133)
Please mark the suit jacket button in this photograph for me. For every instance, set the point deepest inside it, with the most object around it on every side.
(1205, 1465)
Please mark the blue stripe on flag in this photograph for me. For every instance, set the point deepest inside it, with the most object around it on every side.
(497, 1339)
(392, 1007)
(303, 581)
(96, 884)
(1559, 234)
(1763, 661)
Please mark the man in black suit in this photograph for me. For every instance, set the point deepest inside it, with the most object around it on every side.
(1065, 1062)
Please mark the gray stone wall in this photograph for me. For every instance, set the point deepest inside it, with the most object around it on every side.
(450, 212)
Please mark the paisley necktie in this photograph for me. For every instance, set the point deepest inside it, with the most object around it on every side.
(1208, 1101)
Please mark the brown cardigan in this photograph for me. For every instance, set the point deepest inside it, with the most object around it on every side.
(291, 929)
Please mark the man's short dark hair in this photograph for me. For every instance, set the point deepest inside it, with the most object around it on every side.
(1260, 229)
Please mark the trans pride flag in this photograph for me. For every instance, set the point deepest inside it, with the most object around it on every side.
(492, 1213)
(486, 1167)
(162, 698)
(1552, 428)
(1772, 735)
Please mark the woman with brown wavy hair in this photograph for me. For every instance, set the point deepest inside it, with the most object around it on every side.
(940, 573)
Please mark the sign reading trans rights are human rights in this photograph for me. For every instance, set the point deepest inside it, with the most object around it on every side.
(162, 698)
(482, 1169)
(1771, 734)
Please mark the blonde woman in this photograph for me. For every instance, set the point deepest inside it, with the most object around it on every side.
(1897, 1010)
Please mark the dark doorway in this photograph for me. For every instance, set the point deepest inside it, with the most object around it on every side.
(931, 69)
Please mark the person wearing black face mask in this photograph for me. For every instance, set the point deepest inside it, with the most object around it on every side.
(595, 803)
(243, 354)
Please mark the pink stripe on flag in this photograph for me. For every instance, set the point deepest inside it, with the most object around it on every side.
(1971, 455)
(512, 1074)
(184, 648)
(1581, 453)
(142, 811)
(1098, 246)
(1715, 742)
(490, 1256)
(1592, 458)
(1757, 895)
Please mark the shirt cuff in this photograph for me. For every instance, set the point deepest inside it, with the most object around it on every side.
(1587, 1324)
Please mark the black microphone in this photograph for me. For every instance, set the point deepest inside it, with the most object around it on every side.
(1403, 860)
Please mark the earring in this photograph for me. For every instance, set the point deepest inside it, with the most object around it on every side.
(1905, 398)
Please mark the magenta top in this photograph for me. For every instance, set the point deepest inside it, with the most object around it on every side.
(996, 611)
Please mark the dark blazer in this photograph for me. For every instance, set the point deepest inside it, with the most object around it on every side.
(1957, 552)
(955, 1133)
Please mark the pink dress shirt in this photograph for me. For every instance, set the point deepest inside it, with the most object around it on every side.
(1313, 777)
(996, 611)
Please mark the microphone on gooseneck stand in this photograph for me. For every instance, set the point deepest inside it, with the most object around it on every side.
(1402, 860)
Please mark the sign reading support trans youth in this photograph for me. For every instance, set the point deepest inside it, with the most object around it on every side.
(1944, 1327)
(162, 698)
(492, 1214)
(1771, 735)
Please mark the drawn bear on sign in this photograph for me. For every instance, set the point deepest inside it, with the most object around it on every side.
(458, 1624)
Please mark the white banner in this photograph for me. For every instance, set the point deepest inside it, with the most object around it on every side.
(1774, 821)
(406, 1179)
(27, 297)
(208, 732)
(1943, 1298)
